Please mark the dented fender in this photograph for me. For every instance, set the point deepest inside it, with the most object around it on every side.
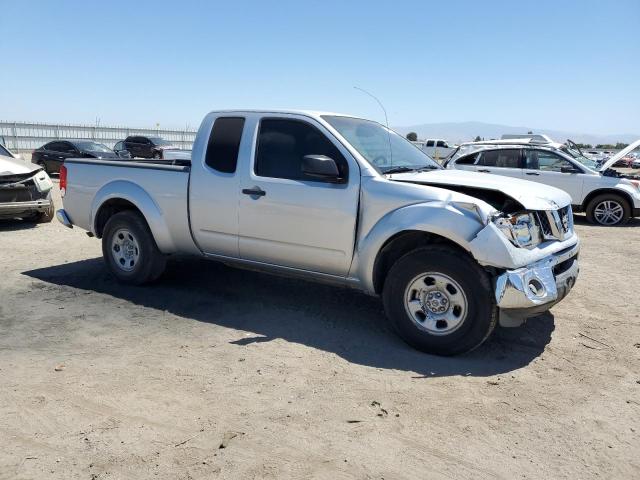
(460, 225)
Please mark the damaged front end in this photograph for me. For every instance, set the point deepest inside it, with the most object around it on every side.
(25, 194)
(528, 291)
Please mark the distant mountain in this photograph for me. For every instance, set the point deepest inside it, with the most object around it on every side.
(457, 132)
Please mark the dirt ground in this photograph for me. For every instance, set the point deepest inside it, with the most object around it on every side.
(221, 373)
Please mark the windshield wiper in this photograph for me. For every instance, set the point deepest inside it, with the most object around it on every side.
(399, 170)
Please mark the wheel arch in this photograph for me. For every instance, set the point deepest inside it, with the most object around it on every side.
(123, 195)
(402, 243)
(607, 191)
(411, 226)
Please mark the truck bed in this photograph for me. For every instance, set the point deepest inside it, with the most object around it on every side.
(159, 188)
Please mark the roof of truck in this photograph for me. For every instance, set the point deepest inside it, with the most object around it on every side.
(309, 113)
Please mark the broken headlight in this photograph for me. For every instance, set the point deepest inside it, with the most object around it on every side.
(520, 228)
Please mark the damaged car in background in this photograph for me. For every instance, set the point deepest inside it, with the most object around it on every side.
(25, 189)
(607, 197)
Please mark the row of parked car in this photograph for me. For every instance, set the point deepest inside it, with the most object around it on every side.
(51, 155)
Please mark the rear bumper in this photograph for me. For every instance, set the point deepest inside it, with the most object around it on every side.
(534, 289)
(63, 218)
(19, 209)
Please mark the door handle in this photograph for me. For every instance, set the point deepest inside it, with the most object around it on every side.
(254, 192)
(484, 170)
(533, 173)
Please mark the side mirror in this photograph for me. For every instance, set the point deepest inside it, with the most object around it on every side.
(321, 167)
(569, 170)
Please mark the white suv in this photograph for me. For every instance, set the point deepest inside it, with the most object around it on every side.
(607, 196)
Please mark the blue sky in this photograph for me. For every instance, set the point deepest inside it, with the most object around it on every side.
(571, 65)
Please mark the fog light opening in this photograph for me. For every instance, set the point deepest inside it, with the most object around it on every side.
(536, 287)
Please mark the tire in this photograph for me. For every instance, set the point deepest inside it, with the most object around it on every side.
(460, 281)
(136, 259)
(617, 207)
(46, 216)
(157, 156)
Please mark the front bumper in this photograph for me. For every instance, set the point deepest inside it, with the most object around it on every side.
(20, 209)
(534, 289)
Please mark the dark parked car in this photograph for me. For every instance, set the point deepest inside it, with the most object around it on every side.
(147, 147)
(120, 150)
(51, 155)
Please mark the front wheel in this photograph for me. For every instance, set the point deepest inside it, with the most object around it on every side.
(157, 156)
(608, 210)
(129, 249)
(47, 215)
(440, 301)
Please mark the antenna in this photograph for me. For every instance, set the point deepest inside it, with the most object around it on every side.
(386, 120)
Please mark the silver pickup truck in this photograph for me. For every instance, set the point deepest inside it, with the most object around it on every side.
(339, 199)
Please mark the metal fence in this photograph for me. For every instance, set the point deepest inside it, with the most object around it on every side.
(21, 137)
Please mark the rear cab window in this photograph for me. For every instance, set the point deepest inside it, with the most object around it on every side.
(224, 144)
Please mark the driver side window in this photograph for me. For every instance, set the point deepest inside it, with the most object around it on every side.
(282, 143)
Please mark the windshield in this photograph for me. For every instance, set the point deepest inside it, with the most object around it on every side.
(92, 147)
(587, 162)
(385, 150)
(159, 141)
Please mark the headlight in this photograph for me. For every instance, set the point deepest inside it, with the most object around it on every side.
(520, 228)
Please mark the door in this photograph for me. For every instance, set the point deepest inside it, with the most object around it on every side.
(56, 154)
(135, 147)
(145, 147)
(504, 161)
(215, 185)
(288, 218)
(549, 168)
(129, 145)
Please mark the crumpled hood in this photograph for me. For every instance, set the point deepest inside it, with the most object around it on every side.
(531, 195)
(14, 166)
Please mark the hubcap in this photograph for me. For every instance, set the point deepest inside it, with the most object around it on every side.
(436, 303)
(125, 249)
(608, 212)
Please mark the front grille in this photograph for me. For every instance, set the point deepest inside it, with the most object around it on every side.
(556, 224)
(21, 192)
(545, 227)
(15, 195)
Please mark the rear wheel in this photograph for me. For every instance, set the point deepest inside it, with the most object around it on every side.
(129, 249)
(608, 209)
(440, 301)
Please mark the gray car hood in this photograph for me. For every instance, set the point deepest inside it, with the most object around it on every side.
(531, 195)
(15, 166)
